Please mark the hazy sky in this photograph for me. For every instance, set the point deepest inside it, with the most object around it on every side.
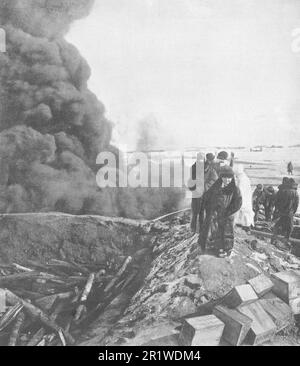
(213, 72)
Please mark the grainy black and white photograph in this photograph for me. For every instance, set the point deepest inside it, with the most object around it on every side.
(149, 171)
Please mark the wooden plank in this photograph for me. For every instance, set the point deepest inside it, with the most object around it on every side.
(270, 235)
(278, 310)
(261, 284)
(263, 328)
(172, 214)
(201, 331)
(237, 325)
(37, 313)
(286, 285)
(239, 295)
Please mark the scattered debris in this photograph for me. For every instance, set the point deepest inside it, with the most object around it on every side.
(45, 304)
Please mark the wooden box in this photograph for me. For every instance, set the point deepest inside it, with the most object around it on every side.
(239, 295)
(286, 285)
(261, 284)
(201, 331)
(262, 328)
(237, 325)
(278, 310)
(295, 305)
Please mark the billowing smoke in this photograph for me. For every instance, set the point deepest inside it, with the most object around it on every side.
(148, 134)
(51, 126)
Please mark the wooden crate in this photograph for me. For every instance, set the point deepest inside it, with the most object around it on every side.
(239, 295)
(201, 331)
(262, 328)
(278, 310)
(261, 284)
(2, 301)
(295, 305)
(286, 285)
(237, 325)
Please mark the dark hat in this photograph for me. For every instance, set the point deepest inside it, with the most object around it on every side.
(271, 189)
(210, 157)
(226, 172)
(223, 155)
(259, 186)
(285, 180)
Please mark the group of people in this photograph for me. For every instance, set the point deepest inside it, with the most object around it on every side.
(226, 199)
(279, 207)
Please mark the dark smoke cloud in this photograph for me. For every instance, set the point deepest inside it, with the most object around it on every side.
(51, 126)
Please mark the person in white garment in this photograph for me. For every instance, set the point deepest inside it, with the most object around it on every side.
(245, 216)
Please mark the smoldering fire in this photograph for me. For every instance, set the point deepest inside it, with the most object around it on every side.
(51, 126)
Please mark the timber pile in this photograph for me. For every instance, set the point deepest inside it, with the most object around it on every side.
(49, 304)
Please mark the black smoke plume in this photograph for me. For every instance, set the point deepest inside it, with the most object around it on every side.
(51, 126)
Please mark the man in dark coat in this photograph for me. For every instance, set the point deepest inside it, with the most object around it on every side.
(286, 205)
(220, 203)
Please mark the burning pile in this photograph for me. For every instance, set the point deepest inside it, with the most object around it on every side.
(51, 126)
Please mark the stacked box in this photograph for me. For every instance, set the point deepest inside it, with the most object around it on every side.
(287, 288)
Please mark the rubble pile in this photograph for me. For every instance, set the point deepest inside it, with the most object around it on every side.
(90, 280)
(49, 304)
(183, 283)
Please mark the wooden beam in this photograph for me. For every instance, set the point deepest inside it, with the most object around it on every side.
(270, 235)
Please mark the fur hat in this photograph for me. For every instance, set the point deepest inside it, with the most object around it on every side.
(223, 155)
(226, 172)
(210, 157)
(271, 189)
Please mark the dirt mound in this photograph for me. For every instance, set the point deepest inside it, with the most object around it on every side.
(83, 239)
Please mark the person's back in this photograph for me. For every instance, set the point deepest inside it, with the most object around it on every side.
(287, 199)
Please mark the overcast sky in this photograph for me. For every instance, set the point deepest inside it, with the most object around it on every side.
(213, 72)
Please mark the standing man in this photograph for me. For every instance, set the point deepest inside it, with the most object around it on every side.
(220, 203)
(290, 168)
(286, 205)
(196, 186)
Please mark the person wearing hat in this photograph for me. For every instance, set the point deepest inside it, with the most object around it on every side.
(220, 203)
(286, 205)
